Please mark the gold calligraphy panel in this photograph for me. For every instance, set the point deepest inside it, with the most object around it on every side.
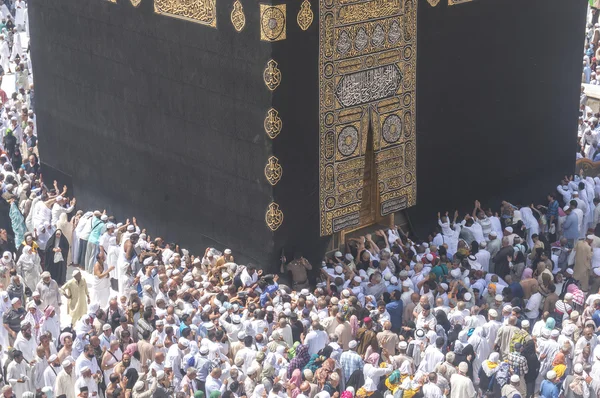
(199, 11)
(367, 79)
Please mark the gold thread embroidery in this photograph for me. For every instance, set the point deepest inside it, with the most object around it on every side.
(200, 11)
(274, 217)
(238, 19)
(135, 3)
(305, 15)
(273, 123)
(367, 74)
(433, 3)
(273, 170)
(272, 22)
(272, 75)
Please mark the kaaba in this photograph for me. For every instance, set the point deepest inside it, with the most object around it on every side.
(288, 125)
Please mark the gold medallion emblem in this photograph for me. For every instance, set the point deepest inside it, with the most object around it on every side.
(305, 15)
(272, 75)
(273, 170)
(238, 19)
(274, 216)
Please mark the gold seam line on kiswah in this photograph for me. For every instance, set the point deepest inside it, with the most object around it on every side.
(457, 2)
(206, 11)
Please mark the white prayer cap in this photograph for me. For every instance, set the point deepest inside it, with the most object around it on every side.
(349, 257)
(393, 280)
(236, 319)
(509, 230)
(138, 386)
(76, 272)
(84, 369)
(45, 274)
(455, 273)
(352, 344)
(104, 217)
(338, 269)
(403, 273)
(463, 367)
(578, 368)
(507, 308)
(590, 237)
(568, 296)
(241, 334)
(15, 300)
(567, 207)
(160, 375)
(403, 345)
(346, 293)
(119, 224)
(498, 297)
(106, 326)
(551, 375)
(52, 358)
(515, 379)
(407, 283)
(444, 286)
(467, 296)
(493, 233)
(554, 333)
(493, 313)
(25, 323)
(188, 278)
(524, 323)
(130, 228)
(227, 251)
(570, 271)
(148, 261)
(110, 225)
(31, 304)
(35, 294)
(196, 261)
(304, 292)
(545, 332)
(482, 245)
(160, 322)
(235, 307)
(429, 257)
(357, 279)
(59, 198)
(183, 341)
(66, 363)
(204, 350)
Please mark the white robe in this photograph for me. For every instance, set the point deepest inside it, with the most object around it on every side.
(50, 375)
(100, 288)
(5, 57)
(65, 384)
(17, 49)
(20, 9)
(16, 371)
(461, 387)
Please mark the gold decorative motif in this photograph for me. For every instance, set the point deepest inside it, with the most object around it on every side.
(238, 19)
(273, 123)
(135, 3)
(274, 217)
(433, 3)
(305, 15)
(273, 170)
(455, 2)
(272, 22)
(272, 75)
(200, 11)
(367, 79)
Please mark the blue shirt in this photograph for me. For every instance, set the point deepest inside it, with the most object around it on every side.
(548, 389)
(571, 226)
(266, 295)
(395, 309)
(596, 317)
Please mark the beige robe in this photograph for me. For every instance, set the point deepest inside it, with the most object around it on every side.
(78, 294)
(583, 264)
(503, 338)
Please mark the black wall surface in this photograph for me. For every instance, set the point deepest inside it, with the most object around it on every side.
(163, 119)
(497, 102)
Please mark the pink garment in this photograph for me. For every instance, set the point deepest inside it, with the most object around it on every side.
(373, 359)
(131, 348)
(527, 273)
(353, 325)
(296, 378)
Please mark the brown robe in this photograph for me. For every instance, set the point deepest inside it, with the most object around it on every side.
(583, 264)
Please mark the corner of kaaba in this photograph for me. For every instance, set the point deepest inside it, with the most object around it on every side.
(293, 125)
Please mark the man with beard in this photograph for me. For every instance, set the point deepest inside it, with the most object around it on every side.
(51, 372)
(65, 381)
(86, 380)
(18, 374)
(25, 342)
(88, 359)
(122, 366)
